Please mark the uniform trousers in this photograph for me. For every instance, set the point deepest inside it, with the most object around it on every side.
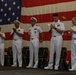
(33, 49)
(73, 53)
(2, 54)
(17, 52)
(55, 46)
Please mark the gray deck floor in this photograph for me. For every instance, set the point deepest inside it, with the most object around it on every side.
(24, 71)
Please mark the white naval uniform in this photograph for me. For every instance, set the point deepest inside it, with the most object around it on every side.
(2, 49)
(73, 48)
(17, 47)
(34, 44)
(56, 44)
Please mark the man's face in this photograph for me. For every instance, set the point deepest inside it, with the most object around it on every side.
(33, 23)
(55, 18)
(74, 22)
(17, 25)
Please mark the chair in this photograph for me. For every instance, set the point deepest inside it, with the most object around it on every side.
(43, 53)
(25, 56)
(9, 57)
(63, 65)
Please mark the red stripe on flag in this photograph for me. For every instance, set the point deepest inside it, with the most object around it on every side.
(8, 37)
(47, 36)
(33, 3)
(63, 16)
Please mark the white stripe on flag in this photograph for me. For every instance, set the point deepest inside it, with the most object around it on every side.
(52, 8)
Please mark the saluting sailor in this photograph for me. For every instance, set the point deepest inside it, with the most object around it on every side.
(17, 34)
(57, 29)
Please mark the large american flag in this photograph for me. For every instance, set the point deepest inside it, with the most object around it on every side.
(42, 10)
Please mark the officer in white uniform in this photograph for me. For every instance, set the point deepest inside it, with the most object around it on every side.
(17, 34)
(2, 37)
(33, 32)
(73, 45)
(57, 29)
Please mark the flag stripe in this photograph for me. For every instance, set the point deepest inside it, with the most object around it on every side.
(33, 3)
(53, 8)
(63, 16)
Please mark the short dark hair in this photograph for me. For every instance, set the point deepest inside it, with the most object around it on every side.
(55, 15)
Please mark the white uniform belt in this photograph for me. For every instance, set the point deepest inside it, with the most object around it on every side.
(33, 38)
(16, 39)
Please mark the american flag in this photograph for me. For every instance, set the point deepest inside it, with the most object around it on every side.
(9, 11)
(42, 10)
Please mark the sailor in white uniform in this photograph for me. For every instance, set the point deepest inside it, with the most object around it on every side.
(33, 32)
(72, 32)
(57, 29)
(2, 37)
(17, 34)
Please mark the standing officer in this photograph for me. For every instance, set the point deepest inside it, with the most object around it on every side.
(17, 34)
(2, 37)
(33, 32)
(73, 45)
(57, 29)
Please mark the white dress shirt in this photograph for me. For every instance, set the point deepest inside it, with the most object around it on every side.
(16, 36)
(73, 34)
(58, 25)
(1, 39)
(34, 31)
